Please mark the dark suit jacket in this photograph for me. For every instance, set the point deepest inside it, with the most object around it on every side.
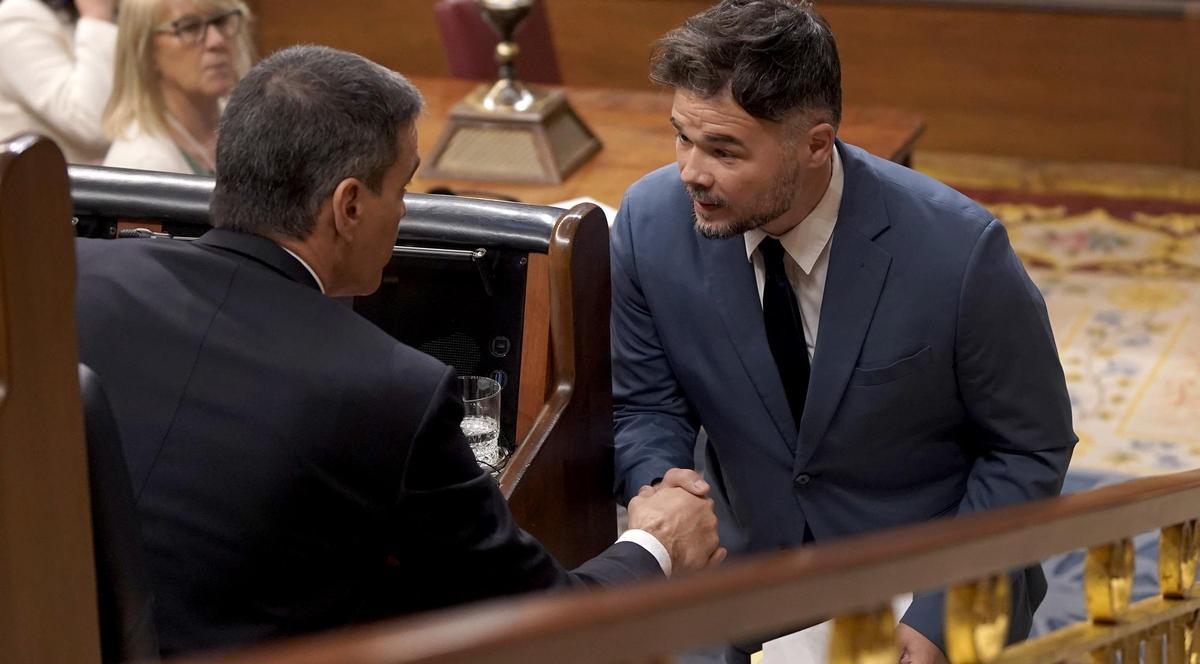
(936, 387)
(295, 467)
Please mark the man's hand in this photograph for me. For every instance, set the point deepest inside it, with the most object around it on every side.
(684, 478)
(915, 648)
(684, 522)
(102, 10)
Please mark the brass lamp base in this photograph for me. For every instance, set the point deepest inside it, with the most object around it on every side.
(541, 144)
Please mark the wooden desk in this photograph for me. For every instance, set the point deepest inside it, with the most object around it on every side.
(633, 126)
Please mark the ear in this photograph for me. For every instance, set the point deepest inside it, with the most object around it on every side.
(820, 142)
(346, 205)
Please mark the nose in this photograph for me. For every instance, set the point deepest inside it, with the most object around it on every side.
(693, 169)
(214, 38)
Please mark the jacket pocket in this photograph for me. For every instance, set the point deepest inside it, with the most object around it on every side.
(894, 371)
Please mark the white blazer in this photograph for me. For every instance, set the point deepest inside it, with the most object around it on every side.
(55, 79)
(136, 148)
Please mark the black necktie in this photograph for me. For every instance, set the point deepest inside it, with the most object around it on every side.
(785, 332)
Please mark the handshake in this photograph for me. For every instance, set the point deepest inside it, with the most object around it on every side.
(679, 513)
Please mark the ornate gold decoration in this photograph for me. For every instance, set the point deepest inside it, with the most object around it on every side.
(1140, 295)
(1154, 644)
(977, 620)
(1156, 622)
(1108, 580)
(864, 638)
(504, 16)
(1131, 649)
(1183, 639)
(1137, 244)
(1176, 223)
(1020, 213)
(1178, 554)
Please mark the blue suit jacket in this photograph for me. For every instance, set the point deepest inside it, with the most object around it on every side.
(936, 387)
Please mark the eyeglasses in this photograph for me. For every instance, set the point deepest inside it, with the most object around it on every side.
(192, 30)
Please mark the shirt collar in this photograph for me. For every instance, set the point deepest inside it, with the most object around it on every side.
(262, 250)
(308, 267)
(805, 242)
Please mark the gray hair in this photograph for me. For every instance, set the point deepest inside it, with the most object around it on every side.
(775, 57)
(300, 122)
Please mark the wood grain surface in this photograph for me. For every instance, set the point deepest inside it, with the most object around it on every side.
(1029, 82)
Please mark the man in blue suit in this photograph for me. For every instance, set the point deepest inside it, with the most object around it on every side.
(860, 343)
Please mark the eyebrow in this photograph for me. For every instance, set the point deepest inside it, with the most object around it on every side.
(711, 138)
(414, 169)
(192, 16)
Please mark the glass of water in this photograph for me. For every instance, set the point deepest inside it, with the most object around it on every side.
(481, 419)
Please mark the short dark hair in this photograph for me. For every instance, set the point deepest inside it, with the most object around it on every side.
(300, 122)
(774, 56)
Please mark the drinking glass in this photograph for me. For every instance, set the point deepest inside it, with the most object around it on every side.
(481, 419)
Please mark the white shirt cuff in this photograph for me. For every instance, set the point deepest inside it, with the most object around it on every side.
(650, 543)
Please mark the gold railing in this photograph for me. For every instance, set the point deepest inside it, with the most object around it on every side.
(977, 615)
(1167, 624)
(854, 579)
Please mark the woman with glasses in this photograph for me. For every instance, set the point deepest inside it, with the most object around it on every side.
(176, 62)
(56, 70)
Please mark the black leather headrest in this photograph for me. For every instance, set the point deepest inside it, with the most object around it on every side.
(119, 193)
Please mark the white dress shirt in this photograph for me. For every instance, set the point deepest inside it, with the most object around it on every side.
(649, 543)
(807, 245)
(55, 77)
(320, 284)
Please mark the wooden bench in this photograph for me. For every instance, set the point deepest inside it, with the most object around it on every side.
(47, 579)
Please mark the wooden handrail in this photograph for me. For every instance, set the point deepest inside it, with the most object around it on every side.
(759, 595)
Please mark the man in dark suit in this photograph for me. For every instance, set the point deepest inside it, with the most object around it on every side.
(859, 342)
(296, 468)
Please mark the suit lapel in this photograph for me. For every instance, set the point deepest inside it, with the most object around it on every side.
(734, 291)
(857, 271)
(261, 250)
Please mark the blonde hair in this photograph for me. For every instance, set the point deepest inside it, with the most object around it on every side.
(136, 96)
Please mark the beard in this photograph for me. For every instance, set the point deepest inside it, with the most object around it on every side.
(765, 208)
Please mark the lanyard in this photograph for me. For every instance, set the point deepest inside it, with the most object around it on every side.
(198, 151)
